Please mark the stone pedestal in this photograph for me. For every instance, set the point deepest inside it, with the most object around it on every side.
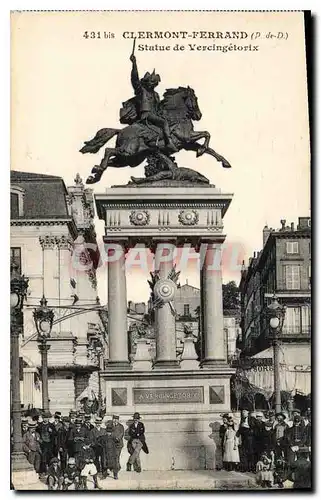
(180, 408)
(189, 356)
(142, 359)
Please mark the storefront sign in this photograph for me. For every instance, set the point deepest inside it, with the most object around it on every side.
(248, 363)
(161, 395)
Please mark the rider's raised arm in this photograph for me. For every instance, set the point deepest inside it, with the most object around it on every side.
(137, 86)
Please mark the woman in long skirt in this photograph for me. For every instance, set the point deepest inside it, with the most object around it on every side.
(231, 457)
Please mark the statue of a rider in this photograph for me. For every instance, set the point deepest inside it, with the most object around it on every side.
(145, 105)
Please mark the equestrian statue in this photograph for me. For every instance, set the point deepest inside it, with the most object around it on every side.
(155, 130)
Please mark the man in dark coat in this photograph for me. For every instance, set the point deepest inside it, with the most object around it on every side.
(62, 442)
(245, 432)
(136, 443)
(295, 438)
(78, 437)
(87, 466)
(24, 425)
(301, 469)
(54, 478)
(87, 425)
(31, 446)
(118, 436)
(47, 434)
(110, 451)
(222, 431)
(97, 441)
(258, 437)
(58, 425)
(71, 475)
(280, 430)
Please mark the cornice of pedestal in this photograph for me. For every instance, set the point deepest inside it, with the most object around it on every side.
(222, 370)
(129, 198)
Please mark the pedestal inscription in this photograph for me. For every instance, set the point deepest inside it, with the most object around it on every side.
(169, 395)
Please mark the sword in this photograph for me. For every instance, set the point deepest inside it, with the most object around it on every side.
(133, 51)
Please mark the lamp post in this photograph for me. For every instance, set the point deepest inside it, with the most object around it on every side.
(275, 314)
(18, 290)
(95, 352)
(44, 317)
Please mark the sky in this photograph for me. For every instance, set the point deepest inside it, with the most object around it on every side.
(65, 87)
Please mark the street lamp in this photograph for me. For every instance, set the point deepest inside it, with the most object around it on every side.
(18, 291)
(44, 317)
(275, 314)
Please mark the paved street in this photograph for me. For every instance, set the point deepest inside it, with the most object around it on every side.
(178, 480)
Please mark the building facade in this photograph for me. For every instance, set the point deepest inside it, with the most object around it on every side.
(282, 267)
(51, 227)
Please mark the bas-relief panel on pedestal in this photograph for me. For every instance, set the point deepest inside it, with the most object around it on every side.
(217, 394)
(119, 396)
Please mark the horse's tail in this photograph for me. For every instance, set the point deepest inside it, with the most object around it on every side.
(100, 139)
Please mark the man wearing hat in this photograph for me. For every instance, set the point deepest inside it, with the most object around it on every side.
(47, 433)
(58, 425)
(71, 475)
(280, 430)
(118, 432)
(87, 466)
(97, 440)
(301, 470)
(136, 443)
(87, 425)
(110, 450)
(24, 425)
(62, 442)
(54, 478)
(245, 432)
(78, 437)
(295, 438)
(31, 446)
(258, 436)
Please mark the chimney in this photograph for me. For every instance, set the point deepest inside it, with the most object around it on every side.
(292, 226)
(283, 222)
(266, 232)
(186, 281)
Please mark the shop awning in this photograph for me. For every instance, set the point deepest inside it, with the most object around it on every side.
(295, 369)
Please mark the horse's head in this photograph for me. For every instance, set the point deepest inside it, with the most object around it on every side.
(192, 105)
(181, 99)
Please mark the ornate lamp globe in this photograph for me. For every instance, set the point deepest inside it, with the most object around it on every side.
(14, 300)
(274, 322)
(43, 317)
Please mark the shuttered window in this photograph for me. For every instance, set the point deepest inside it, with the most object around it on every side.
(292, 277)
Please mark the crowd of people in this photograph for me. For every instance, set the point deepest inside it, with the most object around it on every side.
(273, 446)
(67, 450)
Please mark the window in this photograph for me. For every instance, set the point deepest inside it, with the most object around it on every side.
(186, 309)
(292, 277)
(14, 205)
(306, 318)
(292, 247)
(15, 256)
(292, 320)
(16, 201)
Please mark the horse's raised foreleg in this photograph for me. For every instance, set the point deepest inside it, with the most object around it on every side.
(209, 151)
(196, 136)
(98, 170)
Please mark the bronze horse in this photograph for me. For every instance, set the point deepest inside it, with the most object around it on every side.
(137, 141)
